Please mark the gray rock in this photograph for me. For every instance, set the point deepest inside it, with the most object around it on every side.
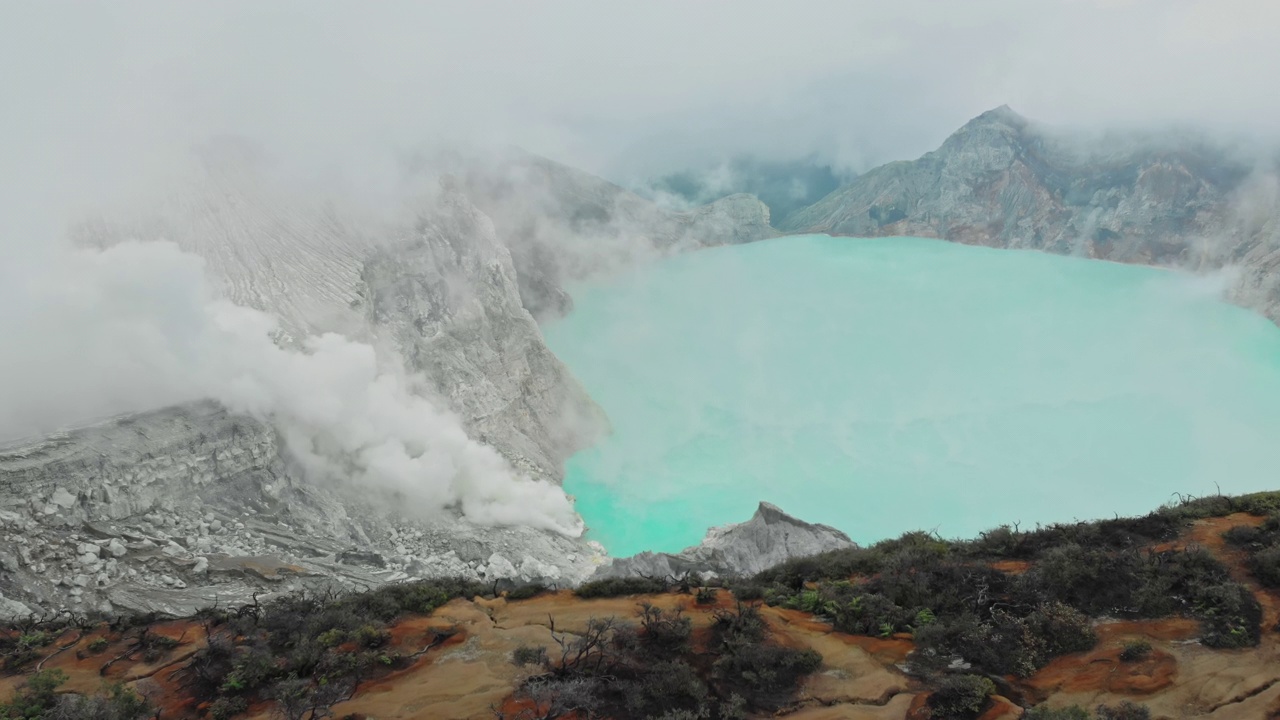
(532, 568)
(770, 537)
(1003, 181)
(117, 548)
(499, 567)
(366, 558)
(10, 520)
(62, 498)
(180, 602)
(195, 457)
(480, 349)
(11, 609)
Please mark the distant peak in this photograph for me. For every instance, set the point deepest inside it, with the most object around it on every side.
(770, 514)
(1000, 126)
(1003, 115)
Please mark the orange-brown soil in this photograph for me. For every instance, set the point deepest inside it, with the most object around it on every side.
(471, 673)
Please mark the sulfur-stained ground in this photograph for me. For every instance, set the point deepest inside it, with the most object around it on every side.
(471, 673)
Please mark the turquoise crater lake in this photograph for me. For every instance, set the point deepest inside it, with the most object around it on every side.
(886, 385)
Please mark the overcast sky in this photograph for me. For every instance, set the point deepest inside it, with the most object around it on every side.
(99, 94)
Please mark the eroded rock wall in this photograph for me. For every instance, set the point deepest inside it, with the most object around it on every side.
(177, 509)
(1003, 181)
(447, 297)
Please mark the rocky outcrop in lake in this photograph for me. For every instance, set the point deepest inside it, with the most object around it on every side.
(770, 537)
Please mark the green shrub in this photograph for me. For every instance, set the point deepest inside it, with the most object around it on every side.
(1093, 580)
(253, 668)
(529, 655)
(34, 697)
(1003, 643)
(332, 637)
(665, 634)
(225, 708)
(664, 687)
(1124, 711)
(1062, 628)
(617, 587)
(97, 645)
(705, 596)
(648, 670)
(368, 636)
(745, 591)
(115, 702)
(1135, 650)
(960, 697)
(1230, 615)
(1260, 503)
(1043, 712)
(1242, 535)
(524, 592)
(763, 674)
(34, 639)
(1265, 566)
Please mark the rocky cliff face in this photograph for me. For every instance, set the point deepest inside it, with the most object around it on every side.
(177, 509)
(770, 537)
(1003, 181)
(441, 292)
(448, 298)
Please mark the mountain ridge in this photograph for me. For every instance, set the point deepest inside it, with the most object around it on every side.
(1002, 180)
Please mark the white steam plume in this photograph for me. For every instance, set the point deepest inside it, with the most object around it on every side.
(95, 332)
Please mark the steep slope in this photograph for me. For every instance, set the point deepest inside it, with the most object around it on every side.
(447, 297)
(293, 254)
(187, 507)
(477, 655)
(1003, 181)
(317, 269)
(769, 538)
(563, 224)
(173, 509)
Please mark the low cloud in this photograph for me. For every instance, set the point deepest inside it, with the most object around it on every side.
(135, 326)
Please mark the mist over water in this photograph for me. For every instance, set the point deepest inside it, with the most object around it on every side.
(894, 384)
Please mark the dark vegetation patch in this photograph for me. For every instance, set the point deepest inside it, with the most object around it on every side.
(621, 586)
(970, 622)
(1135, 650)
(1262, 548)
(963, 612)
(651, 669)
(38, 699)
(1125, 710)
(960, 697)
(308, 651)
